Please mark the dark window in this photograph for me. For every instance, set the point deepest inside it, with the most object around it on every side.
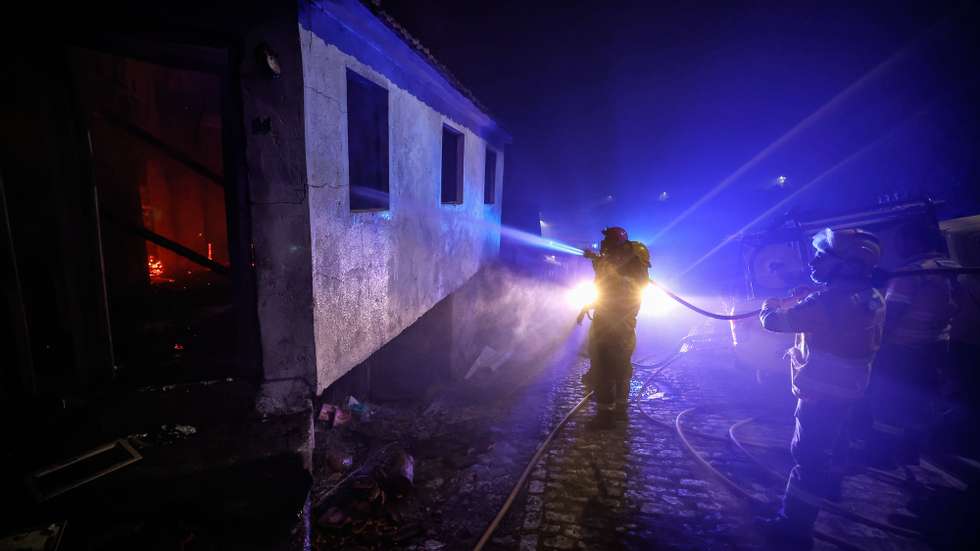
(452, 166)
(367, 143)
(490, 177)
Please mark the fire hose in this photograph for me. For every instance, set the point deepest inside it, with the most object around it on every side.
(742, 493)
(728, 483)
(880, 277)
(738, 490)
(657, 368)
(527, 472)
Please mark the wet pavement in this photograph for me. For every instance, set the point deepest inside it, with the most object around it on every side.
(635, 486)
(469, 444)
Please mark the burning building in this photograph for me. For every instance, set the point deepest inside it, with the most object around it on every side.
(265, 192)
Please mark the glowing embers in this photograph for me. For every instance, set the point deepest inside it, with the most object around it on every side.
(156, 270)
(154, 266)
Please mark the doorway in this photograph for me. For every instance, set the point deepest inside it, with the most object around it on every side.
(157, 158)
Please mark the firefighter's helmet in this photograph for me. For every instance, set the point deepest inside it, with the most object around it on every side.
(852, 244)
(615, 235)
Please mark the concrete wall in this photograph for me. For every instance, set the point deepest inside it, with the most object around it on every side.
(275, 167)
(375, 273)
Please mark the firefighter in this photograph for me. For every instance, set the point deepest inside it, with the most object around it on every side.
(913, 357)
(838, 332)
(620, 277)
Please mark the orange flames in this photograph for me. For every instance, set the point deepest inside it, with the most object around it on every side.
(154, 267)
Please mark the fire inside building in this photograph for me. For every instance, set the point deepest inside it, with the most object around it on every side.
(395, 274)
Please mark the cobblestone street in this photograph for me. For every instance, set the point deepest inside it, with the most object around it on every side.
(636, 487)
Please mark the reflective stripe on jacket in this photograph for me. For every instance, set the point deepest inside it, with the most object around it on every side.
(838, 331)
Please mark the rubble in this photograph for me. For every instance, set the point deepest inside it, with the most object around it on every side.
(41, 539)
(164, 436)
(423, 473)
(335, 416)
(184, 386)
(488, 359)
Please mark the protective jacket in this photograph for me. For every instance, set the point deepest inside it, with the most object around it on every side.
(838, 332)
(929, 301)
(620, 280)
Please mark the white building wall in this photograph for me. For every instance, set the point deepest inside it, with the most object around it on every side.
(375, 273)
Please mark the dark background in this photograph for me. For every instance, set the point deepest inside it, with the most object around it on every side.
(611, 104)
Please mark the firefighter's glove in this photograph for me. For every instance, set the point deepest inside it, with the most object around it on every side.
(581, 315)
(590, 255)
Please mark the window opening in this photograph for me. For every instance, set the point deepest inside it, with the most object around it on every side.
(367, 143)
(490, 178)
(452, 166)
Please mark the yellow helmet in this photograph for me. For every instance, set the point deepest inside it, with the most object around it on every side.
(640, 251)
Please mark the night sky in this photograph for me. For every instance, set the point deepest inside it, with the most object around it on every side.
(634, 100)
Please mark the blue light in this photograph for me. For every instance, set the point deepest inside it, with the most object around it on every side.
(538, 241)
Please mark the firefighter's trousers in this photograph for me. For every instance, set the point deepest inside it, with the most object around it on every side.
(612, 339)
(904, 391)
(818, 426)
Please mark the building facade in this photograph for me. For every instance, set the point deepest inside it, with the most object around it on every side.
(262, 191)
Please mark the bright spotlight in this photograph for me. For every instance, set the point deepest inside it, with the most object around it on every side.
(656, 302)
(583, 294)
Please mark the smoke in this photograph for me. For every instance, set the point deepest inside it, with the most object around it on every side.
(524, 317)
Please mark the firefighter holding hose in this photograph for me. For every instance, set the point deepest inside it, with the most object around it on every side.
(620, 277)
(838, 332)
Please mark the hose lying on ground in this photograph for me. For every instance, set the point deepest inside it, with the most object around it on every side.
(736, 489)
(659, 366)
(527, 472)
(740, 492)
(817, 501)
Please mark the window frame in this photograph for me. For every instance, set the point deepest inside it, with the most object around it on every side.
(460, 154)
(356, 204)
(490, 176)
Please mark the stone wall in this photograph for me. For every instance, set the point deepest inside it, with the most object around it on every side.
(280, 215)
(376, 273)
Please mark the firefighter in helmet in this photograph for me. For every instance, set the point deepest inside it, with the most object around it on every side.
(838, 332)
(911, 365)
(620, 277)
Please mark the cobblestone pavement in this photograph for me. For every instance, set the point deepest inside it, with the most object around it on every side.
(636, 487)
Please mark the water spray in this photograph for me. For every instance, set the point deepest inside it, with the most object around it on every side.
(537, 241)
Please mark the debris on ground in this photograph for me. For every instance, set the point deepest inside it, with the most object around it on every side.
(42, 539)
(488, 359)
(412, 476)
(335, 416)
(375, 501)
(82, 469)
(361, 411)
(184, 386)
(164, 436)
